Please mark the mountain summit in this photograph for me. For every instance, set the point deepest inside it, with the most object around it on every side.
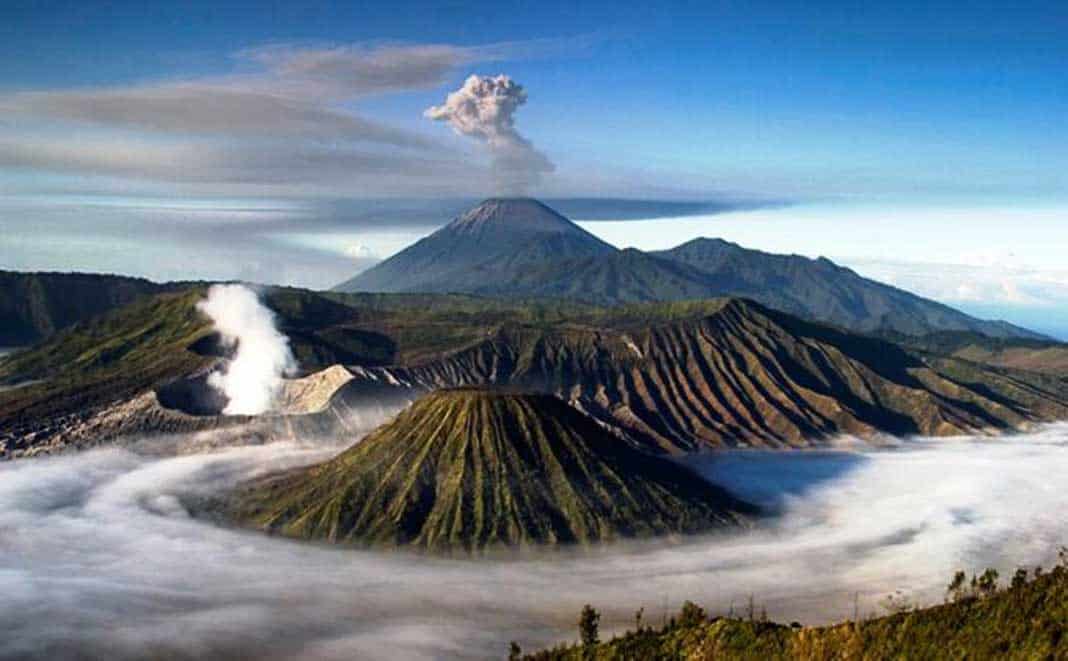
(496, 240)
(515, 214)
(469, 469)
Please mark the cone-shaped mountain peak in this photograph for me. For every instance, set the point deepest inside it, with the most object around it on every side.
(469, 469)
(495, 241)
(514, 213)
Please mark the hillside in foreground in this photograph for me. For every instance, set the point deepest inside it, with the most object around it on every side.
(473, 469)
(1027, 621)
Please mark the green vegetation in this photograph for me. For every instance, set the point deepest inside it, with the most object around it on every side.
(425, 326)
(36, 305)
(1044, 356)
(673, 376)
(106, 358)
(589, 621)
(470, 469)
(1026, 621)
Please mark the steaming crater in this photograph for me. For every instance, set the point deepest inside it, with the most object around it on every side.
(98, 557)
(250, 380)
(193, 396)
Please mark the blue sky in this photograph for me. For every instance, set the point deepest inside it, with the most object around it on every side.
(780, 98)
(893, 119)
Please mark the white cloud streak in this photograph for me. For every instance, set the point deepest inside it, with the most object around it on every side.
(283, 117)
(994, 282)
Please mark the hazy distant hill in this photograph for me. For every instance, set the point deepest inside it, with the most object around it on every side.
(520, 247)
(36, 305)
(820, 289)
(470, 469)
(623, 276)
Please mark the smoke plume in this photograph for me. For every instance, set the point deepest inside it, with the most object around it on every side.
(484, 108)
(253, 377)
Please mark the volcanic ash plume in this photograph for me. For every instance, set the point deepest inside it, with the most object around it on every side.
(484, 108)
(253, 377)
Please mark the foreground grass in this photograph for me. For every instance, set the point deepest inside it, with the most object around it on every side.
(1025, 621)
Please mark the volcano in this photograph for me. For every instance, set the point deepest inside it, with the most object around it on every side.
(520, 248)
(497, 240)
(469, 469)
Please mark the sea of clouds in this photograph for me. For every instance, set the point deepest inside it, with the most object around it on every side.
(99, 559)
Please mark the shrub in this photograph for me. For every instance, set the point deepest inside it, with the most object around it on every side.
(589, 619)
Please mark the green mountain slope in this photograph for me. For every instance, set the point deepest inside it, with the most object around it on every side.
(1027, 622)
(1045, 356)
(105, 359)
(671, 377)
(36, 305)
(472, 469)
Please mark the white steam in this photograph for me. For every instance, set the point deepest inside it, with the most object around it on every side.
(252, 379)
(99, 560)
(484, 109)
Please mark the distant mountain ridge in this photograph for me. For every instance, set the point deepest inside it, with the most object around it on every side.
(520, 247)
(820, 289)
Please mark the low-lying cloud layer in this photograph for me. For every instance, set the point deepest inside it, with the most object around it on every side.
(484, 109)
(252, 378)
(97, 555)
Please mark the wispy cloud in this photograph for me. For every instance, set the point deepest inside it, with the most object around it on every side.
(960, 283)
(282, 115)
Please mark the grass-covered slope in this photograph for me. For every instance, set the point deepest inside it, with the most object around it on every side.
(1027, 622)
(673, 376)
(1045, 356)
(33, 306)
(117, 355)
(470, 469)
(50, 392)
